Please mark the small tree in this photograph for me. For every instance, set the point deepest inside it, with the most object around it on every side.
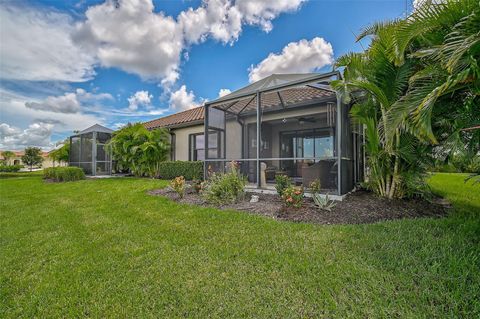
(32, 157)
(61, 154)
(7, 156)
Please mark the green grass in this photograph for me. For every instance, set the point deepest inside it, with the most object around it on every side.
(104, 248)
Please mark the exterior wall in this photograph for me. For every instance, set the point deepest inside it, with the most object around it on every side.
(47, 162)
(233, 140)
(181, 136)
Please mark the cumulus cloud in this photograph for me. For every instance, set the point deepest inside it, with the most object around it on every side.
(262, 12)
(37, 134)
(36, 46)
(296, 57)
(182, 99)
(140, 98)
(67, 103)
(129, 35)
(223, 92)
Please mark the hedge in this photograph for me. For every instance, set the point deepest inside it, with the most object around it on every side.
(63, 174)
(10, 168)
(189, 170)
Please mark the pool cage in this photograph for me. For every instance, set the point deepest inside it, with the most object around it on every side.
(304, 129)
(87, 150)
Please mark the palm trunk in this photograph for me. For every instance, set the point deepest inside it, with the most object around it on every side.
(396, 166)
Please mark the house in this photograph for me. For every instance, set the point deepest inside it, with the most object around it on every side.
(17, 159)
(304, 129)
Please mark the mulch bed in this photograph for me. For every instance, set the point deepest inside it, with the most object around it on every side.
(360, 207)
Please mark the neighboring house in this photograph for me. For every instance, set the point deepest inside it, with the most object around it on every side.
(305, 133)
(17, 159)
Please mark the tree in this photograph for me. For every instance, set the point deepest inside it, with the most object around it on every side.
(61, 154)
(32, 157)
(415, 89)
(7, 156)
(139, 150)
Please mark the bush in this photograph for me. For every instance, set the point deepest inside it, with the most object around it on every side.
(178, 185)
(225, 188)
(189, 170)
(63, 174)
(293, 196)
(10, 168)
(315, 186)
(323, 202)
(282, 182)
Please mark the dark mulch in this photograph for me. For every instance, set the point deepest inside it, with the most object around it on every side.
(360, 207)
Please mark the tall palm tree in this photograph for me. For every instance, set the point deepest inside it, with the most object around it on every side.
(376, 83)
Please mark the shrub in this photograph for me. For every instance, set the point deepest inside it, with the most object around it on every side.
(10, 168)
(189, 170)
(293, 196)
(281, 183)
(178, 185)
(323, 202)
(63, 174)
(224, 188)
(315, 186)
(197, 185)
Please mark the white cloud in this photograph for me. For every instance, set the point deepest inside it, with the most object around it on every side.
(262, 12)
(182, 99)
(216, 18)
(296, 57)
(223, 92)
(417, 3)
(127, 34)
(140, 98)
(36, 45)
(37, 134)
(13, 109)
(67, 103)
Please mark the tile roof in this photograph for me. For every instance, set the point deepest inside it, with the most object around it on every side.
(270, 100)
(177, 119)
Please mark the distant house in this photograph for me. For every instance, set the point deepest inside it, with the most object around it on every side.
(304, 130)
(17, 159)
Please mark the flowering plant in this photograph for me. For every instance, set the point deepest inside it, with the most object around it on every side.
(293, 196)
(178, 185)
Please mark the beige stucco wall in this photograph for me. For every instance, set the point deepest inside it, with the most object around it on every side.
(181, 140)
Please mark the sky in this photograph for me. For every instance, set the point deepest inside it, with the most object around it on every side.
(66, 65)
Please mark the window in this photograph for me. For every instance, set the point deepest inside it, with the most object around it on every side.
(307, 143)
(197, 146)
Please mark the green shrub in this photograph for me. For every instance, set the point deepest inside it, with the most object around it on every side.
(224, 188)
(281, 183)
(10, 168)
(63, 174)
(189, 170)
(293, 196)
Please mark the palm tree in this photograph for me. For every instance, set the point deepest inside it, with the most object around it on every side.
(444, 93)
(376, 83)
(139, 150)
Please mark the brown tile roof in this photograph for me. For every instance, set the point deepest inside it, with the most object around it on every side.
(289, 97)
(184, 117)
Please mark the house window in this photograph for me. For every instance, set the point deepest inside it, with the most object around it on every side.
(197, 146)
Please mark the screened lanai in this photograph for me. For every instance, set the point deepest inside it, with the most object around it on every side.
(87, 150)
(304, 131)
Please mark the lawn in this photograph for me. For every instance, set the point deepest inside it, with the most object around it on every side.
(104, 248)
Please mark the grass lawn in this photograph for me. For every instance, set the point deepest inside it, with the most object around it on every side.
(104, 248)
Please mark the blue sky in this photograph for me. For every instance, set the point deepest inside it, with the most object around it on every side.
(65, 65)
